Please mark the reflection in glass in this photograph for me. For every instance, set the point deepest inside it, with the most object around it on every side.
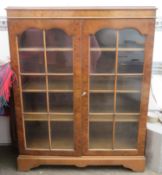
(61, 102)
(129, 82)
(31, 38)
(101, 102)
(31, 62)
(100, 135)
(130, 62)
(104, 38)
(130, 38)
(103, 62)
(128, 102)
(57, 38)
(62, 135)
(60, 82)
(126, 135)
(36, 135)
(59, 62)
(101, 82)
(34, 102)
(33, 82)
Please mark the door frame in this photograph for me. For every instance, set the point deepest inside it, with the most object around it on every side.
(72, 28)
(144, 27)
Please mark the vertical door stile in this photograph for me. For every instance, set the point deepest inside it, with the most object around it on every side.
(77, 87)
(115, 88)
(85, 87)
(47, 92)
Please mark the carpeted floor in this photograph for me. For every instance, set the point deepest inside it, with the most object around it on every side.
(8, 167)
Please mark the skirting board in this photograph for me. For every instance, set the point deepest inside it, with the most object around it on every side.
(135, 163)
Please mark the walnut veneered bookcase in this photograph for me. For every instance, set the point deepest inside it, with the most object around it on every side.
(83, 84)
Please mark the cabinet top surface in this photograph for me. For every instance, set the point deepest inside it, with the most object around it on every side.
(84, 8)
(82, 12)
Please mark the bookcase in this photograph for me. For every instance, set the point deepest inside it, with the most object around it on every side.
(83, 84)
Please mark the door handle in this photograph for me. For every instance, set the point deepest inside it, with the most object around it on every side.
(84, 93)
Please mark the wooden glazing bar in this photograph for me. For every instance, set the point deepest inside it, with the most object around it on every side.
(47, 94)
(21, 98)
(115, 88)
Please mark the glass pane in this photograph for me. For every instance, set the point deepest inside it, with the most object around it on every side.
(100, 135)
(60, 82)
(128, 102)
(104, 38)
(131, 38)
(37, 134)
(61, 102)
(57, 38)
(33, 82)
(101, 102)
(129, 82)
(130, 61)
(102, 62)
(31, 38)
(60, 62)
(34, 102)
(126, 135)
(31, 62)
(62, 135)
(101, 82)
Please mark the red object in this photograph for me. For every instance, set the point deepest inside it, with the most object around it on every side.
(7, 78)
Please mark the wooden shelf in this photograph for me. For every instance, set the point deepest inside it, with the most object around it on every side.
(36, 49)
(35, 117)
(102, 74)
(102, 49)
(32, 49)
(119, 49)
(53, 74)
(112, 91)
(59, 49)
(101, 91)
(108, 118)
(61, 117)
(117, 74)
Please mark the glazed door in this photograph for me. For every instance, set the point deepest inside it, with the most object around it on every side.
(48, 69)
(113, 74)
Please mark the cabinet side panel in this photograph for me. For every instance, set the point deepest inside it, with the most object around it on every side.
(146, 86)
(17, 97)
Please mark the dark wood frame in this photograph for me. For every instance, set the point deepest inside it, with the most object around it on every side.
(79, 23)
